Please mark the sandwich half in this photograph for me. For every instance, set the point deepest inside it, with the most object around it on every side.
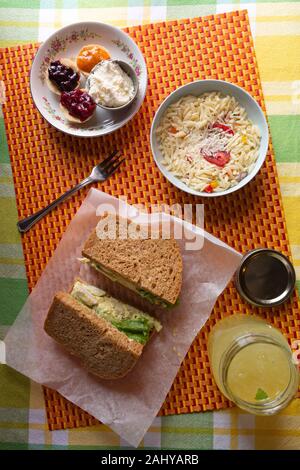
(150, 267)
(105, 334)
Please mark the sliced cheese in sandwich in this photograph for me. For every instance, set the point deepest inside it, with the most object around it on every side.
(150, 267)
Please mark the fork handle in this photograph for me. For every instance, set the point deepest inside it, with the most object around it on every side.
(25, 224)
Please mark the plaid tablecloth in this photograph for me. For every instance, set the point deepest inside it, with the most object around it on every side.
(276, 30)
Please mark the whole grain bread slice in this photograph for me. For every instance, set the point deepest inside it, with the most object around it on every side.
(154, 265)
(102, 349)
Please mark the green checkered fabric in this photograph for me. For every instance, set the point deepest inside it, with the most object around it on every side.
(276, 30)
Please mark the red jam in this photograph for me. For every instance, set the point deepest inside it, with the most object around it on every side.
(79, 104)
(65, 78)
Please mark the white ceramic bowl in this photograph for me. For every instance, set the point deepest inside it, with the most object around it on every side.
(66, 43)
(197, 88)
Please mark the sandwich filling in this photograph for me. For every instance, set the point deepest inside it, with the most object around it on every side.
(134, 323)
(115, 277)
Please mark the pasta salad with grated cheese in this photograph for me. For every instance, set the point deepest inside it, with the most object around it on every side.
(208, 141)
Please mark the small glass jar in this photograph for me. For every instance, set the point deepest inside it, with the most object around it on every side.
(252, 364)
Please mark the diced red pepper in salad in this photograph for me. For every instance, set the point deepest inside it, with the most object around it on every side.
(208, 189)
(173, 130)
(224, 127)
(219, 158)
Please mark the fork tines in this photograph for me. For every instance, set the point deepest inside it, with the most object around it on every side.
(107, 160)
(111, 163)
(113, 168)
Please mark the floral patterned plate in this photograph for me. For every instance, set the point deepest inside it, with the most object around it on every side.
(66, 43)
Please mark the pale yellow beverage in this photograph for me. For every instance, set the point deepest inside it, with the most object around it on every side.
(252, 364)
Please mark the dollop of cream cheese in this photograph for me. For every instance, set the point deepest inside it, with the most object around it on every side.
(110, 86)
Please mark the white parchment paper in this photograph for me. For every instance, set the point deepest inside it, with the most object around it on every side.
(127, 405)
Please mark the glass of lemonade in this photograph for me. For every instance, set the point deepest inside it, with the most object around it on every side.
(252, 364)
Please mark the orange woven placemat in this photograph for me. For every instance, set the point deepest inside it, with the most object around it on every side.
(46, 162)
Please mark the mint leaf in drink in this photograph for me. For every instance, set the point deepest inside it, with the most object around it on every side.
(261, 394)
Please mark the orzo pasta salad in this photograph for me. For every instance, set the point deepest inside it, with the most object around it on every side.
(208, 141)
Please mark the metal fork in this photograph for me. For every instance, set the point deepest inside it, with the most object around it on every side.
(100, 172)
